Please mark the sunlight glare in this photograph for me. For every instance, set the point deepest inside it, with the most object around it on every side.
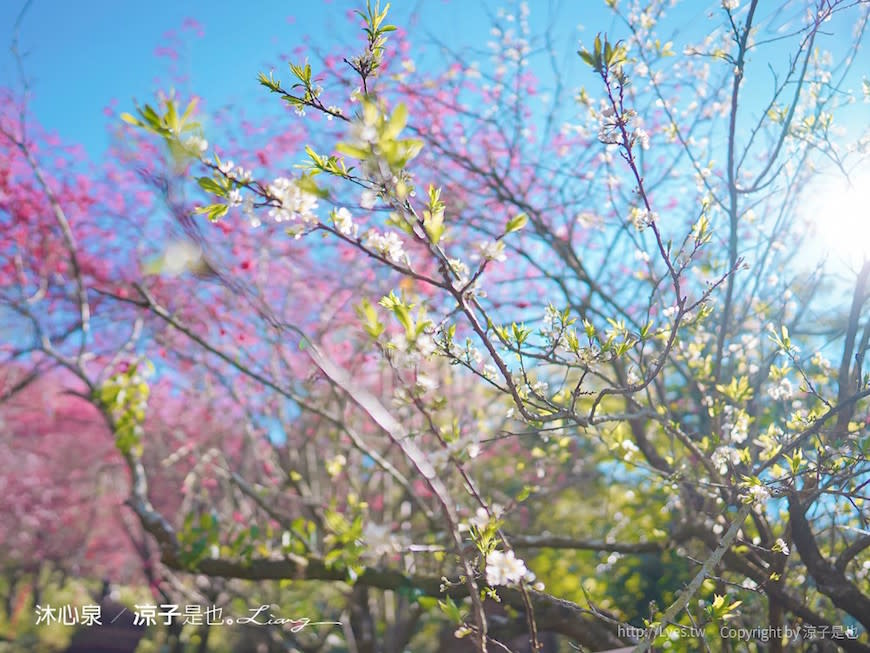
(840, 212)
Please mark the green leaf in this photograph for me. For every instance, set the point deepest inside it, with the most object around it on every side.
(188, 112)
(401, 310)
(171, 116)
(397, 122)
(353, 151)
(738, 390)
(589, 329)
(449, 608)
(209, 185)
(516, 223)
(150, 116)
(130, 120)
(307, 184)
(525, 493)
(369, 316)
(427, 602)
(214, 212)
(573, 342)
(433, 223)
(589, 58)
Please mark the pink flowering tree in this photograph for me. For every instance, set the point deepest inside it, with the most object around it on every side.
(442, 350)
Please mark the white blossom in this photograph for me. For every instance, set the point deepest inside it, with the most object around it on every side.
(234, 198)
(231, 170)
(387, 245)
(820, 361)
(759, 493)
(481, 516)
(461, 271)
(424, 345)
(782, 390)
(379, 540)
(180, 256)
(643, 217)
(368, 199)
(424, 384)
(735, 424)
(344, 222)
(195, 143)
(293, 202)
(503, 568)
(492, 250)
(642, 137)
(724, 455)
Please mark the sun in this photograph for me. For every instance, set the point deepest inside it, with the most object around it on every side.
(840, 211)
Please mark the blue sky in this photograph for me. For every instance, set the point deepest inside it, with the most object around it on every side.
(81, 55)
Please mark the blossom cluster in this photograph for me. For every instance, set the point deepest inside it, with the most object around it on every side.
(293, 202)
(380, 541)
(610, 124)
(504, 568)
(735, 424)
(344, 223)
(643, 217)
(196, 144)
(388, 245)
(460, 269)
(782, 390)
(492, 250)
(406, 352)
(759, 493)
(723, 456)
(234, 172)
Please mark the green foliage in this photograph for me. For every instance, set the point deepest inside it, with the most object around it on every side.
(344, 542)
(722, 608)
(179, 131)
(199, 537)
(433, 216)
(738, 390)
(401, 310)
(332, 165)
(516, 223)
(124, 397)
(368, 315)
(449, 607)
(384, 141)
(605, 56)
(375, 29)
